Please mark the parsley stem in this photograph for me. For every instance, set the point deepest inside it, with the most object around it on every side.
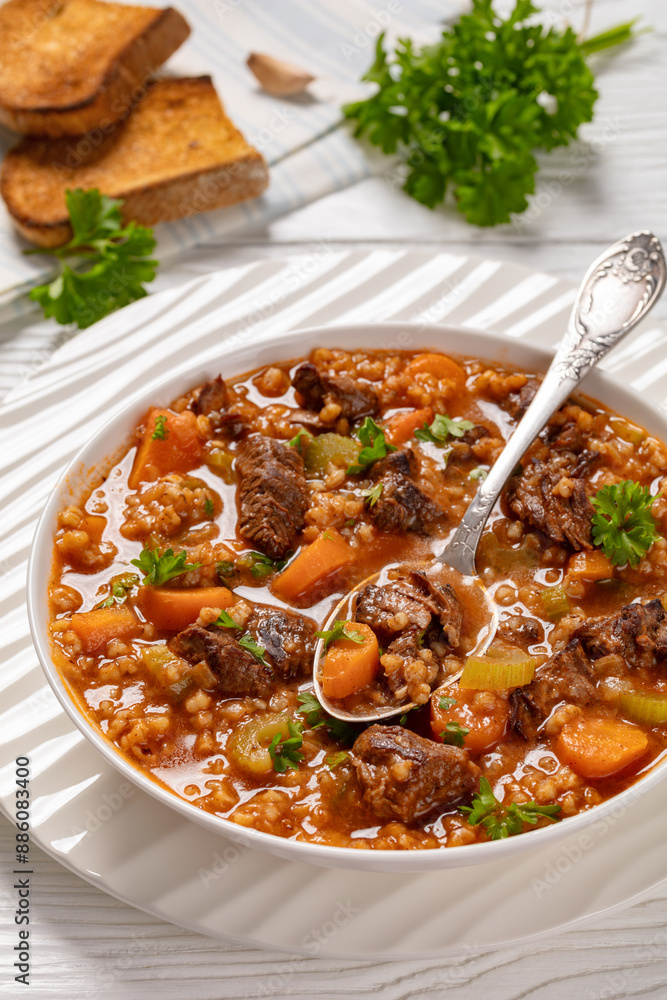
(614, 36)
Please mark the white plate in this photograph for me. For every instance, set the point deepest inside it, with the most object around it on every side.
(121, 839)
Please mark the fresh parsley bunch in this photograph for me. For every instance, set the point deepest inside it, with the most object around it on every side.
(117, 258)
(468, 112)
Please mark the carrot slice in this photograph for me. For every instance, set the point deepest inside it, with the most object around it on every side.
(172, 610)
(598, 748)
(485, 716)
(401, 427)
(328, 553)
(438, 365)
(349, 666)
(171, 443)
(590, 566)
(96, 628)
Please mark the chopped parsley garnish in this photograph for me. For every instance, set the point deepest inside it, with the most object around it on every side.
(340, 630)
(454, 734)
(467, 114)
(161, 430)
(403, 720)
(225, 620)
(225, 568)
(374, 446)
(119, 590)
(442, 429)
(116, 258)
(248, 643)
(159, 569)
(287, 752)
(373, 494)
(316, 717)
(334, 759)
(446, 703)
(301, 440)
(501, 821)
(623, 526)
(208, 507)
(259, 564)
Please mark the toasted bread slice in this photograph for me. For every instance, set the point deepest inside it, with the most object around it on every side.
(69, 66)
(177, 154)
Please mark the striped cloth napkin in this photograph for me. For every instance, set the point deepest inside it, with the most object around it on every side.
(310, 154)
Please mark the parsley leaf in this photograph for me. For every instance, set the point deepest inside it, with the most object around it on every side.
(454, 734)
(209, 509)
(446, 703)
(260, 565)
(334, 759)
(374, 446)
(316, 717)
(442, 428)
(340, 630)
(161, 430)
(248, 643)
(225, 620)
(159, 569)
(301, 440)
(287, 752)
(467, 114)
(120, 588)
(500, 821)
(225, 569)
(623, 526)
(373, 494)
(117, 257)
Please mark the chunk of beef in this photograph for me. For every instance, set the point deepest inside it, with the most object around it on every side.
(638, 633)
(213, 402)
(409, 616)
(516, 403)
(272, 495)
(237, 670)
(549, 498)
(289, 639)
(213, 397)
(407, 777)
(402, 506)
(567, 676)
(414, 600)
(356, 399)
(461, 448)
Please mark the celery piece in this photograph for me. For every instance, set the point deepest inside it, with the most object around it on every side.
(335, 448)
(555, 601)
(497, 673)
(644, 707)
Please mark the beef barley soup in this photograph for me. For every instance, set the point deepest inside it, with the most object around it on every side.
(191, 582)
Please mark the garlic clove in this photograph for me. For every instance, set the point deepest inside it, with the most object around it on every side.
(277, 77)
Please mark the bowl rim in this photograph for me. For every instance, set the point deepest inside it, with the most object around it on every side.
(598, 385)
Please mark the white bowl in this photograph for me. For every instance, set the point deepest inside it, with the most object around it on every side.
(230, 362)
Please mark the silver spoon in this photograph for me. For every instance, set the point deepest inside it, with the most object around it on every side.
(619, 289)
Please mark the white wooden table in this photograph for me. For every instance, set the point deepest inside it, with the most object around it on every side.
(87, 944)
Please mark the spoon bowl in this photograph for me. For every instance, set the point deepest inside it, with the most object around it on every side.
(617, 292)
(479, 629)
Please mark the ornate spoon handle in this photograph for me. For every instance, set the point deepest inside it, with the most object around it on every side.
(618, 291)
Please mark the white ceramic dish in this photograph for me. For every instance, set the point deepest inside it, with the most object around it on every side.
(230, 361)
